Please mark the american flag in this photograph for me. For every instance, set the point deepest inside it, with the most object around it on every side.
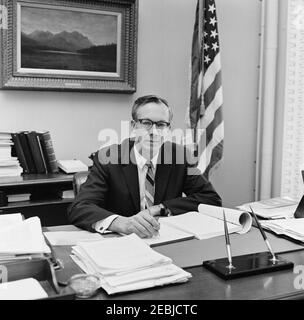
(204, 114)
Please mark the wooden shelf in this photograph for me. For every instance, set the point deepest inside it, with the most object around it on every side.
(46, 191)
(36, 179)
(24, 204)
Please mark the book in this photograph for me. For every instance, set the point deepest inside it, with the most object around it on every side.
(10, 171)
(5, 152)
(20, 153)
(72, 166)
(36, 151)
(18, 197)
(5, 135)
(208, 222)
(68, 194)
(27, 151)
(48, 151)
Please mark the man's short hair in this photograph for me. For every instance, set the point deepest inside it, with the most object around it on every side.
(141, 101)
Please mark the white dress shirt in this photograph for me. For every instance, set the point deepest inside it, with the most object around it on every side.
(103, 225)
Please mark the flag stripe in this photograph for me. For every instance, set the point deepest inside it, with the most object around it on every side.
(208, 116)
(206, 154)
(215, 158)
(195, 99)
(214, 124)
(213, 69)
(212, 90)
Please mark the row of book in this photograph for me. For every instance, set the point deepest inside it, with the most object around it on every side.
(35, 151)
(9, 166)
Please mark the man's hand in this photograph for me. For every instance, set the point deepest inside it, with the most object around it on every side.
(144, 223)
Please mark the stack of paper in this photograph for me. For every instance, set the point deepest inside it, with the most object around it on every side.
(274, 208)
(21, 239)
(126, 264)
(9, 166)
(293, 228)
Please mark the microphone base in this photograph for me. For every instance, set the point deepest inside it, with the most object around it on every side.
(247, 265)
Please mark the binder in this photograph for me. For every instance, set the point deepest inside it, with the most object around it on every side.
(27, 151)
(20, 153)
(36, 150)
(48, 151)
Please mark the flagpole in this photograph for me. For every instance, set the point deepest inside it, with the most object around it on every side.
(201, 4)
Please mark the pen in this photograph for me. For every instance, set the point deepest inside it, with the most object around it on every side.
(263, 235)
(230, 266)
(157, 230)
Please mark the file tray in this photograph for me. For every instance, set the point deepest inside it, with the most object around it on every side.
(43, 271)
(247, 265)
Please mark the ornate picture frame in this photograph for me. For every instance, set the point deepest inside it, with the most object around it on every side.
(74, 45)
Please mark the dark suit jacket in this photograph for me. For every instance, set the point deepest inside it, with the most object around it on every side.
(112, 185)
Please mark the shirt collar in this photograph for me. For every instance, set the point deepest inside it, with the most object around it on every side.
(141, 161)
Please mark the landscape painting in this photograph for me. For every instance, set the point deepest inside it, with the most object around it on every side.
(70, 41)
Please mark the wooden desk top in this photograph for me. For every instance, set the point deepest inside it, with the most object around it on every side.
(204, 285)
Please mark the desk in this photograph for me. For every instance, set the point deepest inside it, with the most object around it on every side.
(204, 284)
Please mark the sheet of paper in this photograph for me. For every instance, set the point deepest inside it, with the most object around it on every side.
(25, 289)
(9, 220)
(293, 228)
(236, 217)
(167, 234)
(71, 238)
(273, 208)
(24, 237)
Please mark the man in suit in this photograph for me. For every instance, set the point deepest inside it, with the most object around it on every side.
(131, 184)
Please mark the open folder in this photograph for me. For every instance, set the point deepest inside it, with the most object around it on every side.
(208, 222)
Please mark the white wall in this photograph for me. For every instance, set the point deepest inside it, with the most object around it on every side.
(164, 46)
(239, 27)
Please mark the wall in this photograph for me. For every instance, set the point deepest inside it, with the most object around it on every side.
(164, 44)
(239, 27)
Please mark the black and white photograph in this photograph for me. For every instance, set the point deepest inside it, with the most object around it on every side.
(151, 154)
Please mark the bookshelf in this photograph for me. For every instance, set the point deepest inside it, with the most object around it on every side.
(46, 201)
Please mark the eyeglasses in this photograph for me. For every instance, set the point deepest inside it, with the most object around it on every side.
(147, 124)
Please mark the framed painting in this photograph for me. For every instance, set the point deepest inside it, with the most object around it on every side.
(71, 45)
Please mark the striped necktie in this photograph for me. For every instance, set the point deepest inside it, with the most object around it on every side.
(149, 185)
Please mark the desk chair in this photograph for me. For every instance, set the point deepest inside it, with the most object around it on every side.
(78, 179)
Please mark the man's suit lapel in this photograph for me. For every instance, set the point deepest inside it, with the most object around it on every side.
(130, 173)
